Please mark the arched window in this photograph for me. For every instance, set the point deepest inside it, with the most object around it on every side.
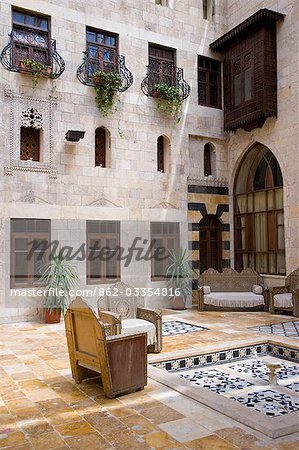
(210, 243)
(209, 160)
(102, 146)
(259, 214)
(162, 154)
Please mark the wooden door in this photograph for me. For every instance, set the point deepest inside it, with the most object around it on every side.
(210, 243)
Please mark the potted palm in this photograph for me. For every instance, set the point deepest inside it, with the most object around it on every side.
(180, 273)
(58, 278)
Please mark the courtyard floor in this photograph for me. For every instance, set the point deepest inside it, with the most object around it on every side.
(41, 407)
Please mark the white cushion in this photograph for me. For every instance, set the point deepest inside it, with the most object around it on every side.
(234, 299)
(140, 326)
(257, 289)
(206, 289)
(283, 300)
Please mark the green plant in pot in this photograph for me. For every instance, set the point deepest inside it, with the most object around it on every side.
(58, 278)
(180, 274)
(170, 101)
(37, 70)
(107, 85)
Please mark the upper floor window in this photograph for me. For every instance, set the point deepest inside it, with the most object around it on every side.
(162, 2)
(27, 256)
(249, 71)
(162, 64)
(102, 48)
(30, 38)
(205, 9)
(209, 82)
(103, 262)
(165, 236)
(29, 144)
(102, 147)
(207, 160)
(163, 146)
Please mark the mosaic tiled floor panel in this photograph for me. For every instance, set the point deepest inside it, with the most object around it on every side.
(247, 382)
(176, 327)
(288, 329)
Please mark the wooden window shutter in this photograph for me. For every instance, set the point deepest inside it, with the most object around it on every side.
(100, 147)
(160, 154)
(29, 144)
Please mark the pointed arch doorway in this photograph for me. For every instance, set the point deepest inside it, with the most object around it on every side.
(210, 243)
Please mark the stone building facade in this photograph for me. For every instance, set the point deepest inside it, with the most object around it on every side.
(66, 187)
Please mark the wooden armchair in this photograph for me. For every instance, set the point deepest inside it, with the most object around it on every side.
(121, 360)
(286, 298)
(123, 312)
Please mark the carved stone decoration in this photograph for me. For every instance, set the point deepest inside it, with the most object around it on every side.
(36, 113)
(208, 181)
(102, 201)
(30, 197)
(32, 118)
(165, 205)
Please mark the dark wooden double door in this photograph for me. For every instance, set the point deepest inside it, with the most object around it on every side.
(210, 243)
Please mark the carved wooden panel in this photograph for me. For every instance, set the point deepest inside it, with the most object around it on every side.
(29, 144)
(249, 71)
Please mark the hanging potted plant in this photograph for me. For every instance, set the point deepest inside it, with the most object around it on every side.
(57, 278)
(180, 273)
(107, 85)
(170, 101)
(36, 68)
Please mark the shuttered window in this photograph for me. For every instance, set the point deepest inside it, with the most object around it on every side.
(165, 236)
(103, 261)
(26, 264)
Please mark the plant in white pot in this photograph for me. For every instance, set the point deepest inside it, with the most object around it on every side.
(180, 273)
(58, 278)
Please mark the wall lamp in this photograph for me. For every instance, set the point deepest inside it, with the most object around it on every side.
(74, 135)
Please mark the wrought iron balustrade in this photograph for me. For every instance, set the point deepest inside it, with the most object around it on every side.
(103, 60)
(35, 46)
(165, 72)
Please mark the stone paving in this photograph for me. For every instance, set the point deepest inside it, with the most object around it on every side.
(42, 408)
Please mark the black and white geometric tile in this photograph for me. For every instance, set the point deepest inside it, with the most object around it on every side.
(174, 327)
(216, 381)
(294, 387)
(269, 402)
(258, 369)
(288, 329)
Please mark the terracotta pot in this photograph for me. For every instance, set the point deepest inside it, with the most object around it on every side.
(52, 316)
(155, 94)
(178, 303)
(48, 70)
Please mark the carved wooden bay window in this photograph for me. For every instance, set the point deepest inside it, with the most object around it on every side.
(249, 71)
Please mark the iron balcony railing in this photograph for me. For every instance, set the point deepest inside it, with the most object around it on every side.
(36, 46)
(159, 72)
(103, 59)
